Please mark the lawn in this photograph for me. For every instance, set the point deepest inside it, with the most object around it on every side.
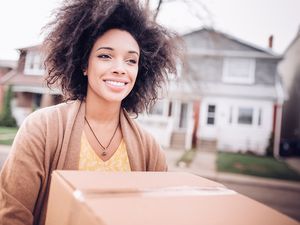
(187, 158)
(255, 165)
(7, 135)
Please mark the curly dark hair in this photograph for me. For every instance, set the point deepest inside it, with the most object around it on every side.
(77, 26)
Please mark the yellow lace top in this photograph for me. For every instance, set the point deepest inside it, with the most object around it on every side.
(89, 160)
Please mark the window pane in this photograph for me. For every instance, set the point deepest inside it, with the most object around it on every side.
(211, 111)
(230, 115)
(259, 117)
(211, 120)
(183, 115)
(239, 70)
(245, 115)
(211, 108)
(170, 109)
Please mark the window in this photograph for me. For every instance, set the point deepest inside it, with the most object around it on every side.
(239, 70)
(259, 116)
(34, 63)
(211, 111)
(170, 109)
(245, 116)
(230, 114)
(183, 115)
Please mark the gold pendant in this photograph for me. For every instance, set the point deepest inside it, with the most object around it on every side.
(104, 154)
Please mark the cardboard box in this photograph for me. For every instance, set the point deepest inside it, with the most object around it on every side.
(143, 198)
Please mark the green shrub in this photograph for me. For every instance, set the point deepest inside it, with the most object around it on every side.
(6, 118)
(270, 147)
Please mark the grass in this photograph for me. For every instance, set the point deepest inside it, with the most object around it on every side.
(260, 166)
(187, 158)
(7, 135)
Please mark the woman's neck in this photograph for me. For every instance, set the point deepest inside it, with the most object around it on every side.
(102, 112)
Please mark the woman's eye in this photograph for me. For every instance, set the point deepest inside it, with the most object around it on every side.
(104, 56)
(132, 61)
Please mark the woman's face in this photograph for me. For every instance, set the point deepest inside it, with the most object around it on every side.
(112, 66)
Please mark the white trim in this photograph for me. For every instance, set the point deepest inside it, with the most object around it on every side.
(34, 64)
(229, 53)
(35, 89)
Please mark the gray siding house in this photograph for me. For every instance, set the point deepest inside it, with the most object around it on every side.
(228, 96)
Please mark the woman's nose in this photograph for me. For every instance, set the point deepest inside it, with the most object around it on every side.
(119, 67)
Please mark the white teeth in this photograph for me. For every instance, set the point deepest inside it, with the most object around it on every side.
(115, 83)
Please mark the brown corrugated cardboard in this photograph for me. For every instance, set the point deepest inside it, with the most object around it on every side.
(134, 198)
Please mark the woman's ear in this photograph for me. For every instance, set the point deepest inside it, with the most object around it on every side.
(84, 72)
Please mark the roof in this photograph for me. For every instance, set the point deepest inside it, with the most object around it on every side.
(32, 47)
(8, 63)
(213, 37)
(16, 78)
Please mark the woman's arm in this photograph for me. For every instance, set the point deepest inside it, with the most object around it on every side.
(23, 173)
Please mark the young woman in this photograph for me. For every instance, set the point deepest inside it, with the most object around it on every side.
(109, 58)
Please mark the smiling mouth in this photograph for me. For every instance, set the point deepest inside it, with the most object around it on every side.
(115, 83)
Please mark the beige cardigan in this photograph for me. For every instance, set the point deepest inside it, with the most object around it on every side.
(49, 139)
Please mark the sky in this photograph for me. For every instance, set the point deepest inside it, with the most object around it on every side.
(250, 20)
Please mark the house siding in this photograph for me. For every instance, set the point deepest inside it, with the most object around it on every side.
(265, 71)
(231, 135)
(206, 68)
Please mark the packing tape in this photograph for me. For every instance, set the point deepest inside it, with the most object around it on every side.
(176, 191)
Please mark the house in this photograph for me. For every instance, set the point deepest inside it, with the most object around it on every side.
(28, 85)
(5, 67)
(289, 69)
(228, 97)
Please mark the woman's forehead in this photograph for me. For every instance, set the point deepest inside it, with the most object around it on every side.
(117, 39)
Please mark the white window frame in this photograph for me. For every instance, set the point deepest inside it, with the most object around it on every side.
(211, 115)
(234, 62)
(34, 64)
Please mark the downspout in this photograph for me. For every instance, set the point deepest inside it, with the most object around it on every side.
(196, 111)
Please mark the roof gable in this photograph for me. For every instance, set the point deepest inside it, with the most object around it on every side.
(209, 39)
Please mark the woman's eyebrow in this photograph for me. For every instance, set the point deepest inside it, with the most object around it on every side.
(107, 48)
(134, 52)
(111, 49)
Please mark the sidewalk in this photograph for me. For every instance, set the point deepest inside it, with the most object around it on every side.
(204, 165)
(4, 149)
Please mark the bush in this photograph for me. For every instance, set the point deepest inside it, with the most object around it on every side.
(6, 118)
(270, 147)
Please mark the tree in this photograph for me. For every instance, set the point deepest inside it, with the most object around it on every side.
(6, 118)
(195, 7)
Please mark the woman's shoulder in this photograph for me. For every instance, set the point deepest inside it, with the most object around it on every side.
(64, 107)
(52, 113)
(140, 131)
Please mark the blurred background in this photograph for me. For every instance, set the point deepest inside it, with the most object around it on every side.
(231, 115)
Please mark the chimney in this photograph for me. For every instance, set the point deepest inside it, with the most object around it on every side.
(271, 41)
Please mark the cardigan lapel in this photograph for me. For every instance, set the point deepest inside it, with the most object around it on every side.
(72, 136)
(132, 138)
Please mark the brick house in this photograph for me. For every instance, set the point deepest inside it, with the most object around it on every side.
(28, 85)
